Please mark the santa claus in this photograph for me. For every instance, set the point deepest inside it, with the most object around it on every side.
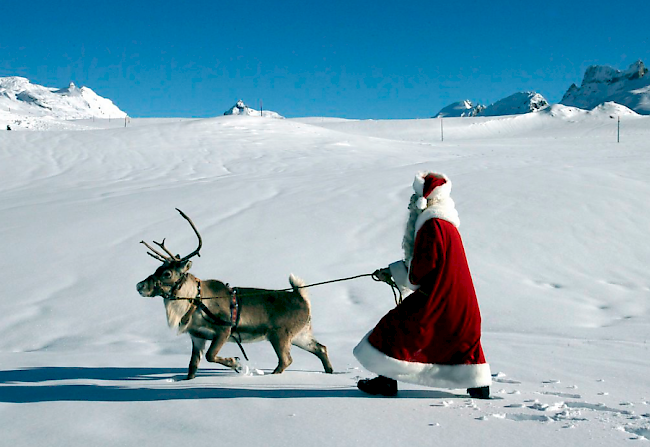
(433, 337)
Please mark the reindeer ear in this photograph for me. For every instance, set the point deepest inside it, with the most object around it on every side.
(185, 266)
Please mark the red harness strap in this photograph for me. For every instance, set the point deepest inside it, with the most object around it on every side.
(234, 309)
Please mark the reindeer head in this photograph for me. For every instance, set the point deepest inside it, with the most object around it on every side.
(170, 275)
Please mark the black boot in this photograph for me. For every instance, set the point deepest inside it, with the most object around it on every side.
(379, 385)
(479, 393)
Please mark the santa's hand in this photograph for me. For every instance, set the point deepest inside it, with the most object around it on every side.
(383, 275)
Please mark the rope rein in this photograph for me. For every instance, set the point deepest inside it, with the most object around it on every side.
(397, 293)
(395, 289)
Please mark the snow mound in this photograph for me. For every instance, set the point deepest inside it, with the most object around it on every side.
(242, 109)
(460, 109)
(564, 112)
(611, 109)
(23, 100)
(601, 84)
(606, 110)
(517, 104)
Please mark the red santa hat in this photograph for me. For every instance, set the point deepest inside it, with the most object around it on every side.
(432, 185)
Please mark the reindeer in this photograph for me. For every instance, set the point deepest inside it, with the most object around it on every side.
(209, 310)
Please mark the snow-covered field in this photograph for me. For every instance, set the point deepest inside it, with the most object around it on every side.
(555, 216)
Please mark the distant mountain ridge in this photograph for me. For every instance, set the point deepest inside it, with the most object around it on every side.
(21, 97)
(601, 84)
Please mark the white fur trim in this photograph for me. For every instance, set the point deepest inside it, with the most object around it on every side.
(427, 374)
(444, 209)
(400, 275)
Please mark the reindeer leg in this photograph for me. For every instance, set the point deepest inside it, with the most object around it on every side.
(281, 342)
(216, 345)
(198, 344)
(306, 341)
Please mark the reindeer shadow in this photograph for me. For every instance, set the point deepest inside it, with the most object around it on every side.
(29, 386)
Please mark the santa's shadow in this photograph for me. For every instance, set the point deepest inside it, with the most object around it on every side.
(48, 384)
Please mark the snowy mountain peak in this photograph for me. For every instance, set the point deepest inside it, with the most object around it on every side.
(636, 70)
(71, 90)
(11, 83)
(24, 99)
(242, 109)
(517, 104)
(460, 109)
(601, 84)
(610, 75)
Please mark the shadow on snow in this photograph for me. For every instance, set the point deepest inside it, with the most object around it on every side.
(34, 385)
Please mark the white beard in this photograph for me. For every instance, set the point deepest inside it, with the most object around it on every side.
(409, 232)
(437, 208)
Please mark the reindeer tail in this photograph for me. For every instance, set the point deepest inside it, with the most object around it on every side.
(299, 286)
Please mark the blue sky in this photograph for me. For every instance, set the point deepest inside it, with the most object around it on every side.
(349, 59)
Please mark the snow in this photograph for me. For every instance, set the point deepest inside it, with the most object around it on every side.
(554, 217)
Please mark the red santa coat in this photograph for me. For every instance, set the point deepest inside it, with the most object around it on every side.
(433, 337)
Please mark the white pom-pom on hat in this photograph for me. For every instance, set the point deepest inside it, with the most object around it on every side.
(421, 203)
(432, 185)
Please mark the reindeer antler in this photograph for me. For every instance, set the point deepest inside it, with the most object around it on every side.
(172, 257)
(162, 245)
(195, 252)
(156, 254)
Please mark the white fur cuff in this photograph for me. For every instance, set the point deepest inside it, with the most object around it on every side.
(400, 275)
(427, 374)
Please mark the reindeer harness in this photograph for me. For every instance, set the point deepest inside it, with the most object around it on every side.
(196, 302)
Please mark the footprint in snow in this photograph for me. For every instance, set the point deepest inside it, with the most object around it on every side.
(514, 406)
(560, 394)
(500, 377)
